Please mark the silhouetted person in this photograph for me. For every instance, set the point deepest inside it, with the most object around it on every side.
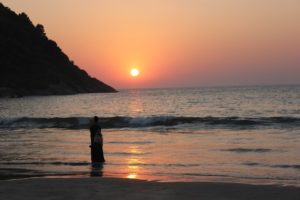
(97, 169)
(96, 142)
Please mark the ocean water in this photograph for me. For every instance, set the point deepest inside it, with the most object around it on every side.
(231, 134)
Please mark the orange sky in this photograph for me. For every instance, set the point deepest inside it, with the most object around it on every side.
(175, 42)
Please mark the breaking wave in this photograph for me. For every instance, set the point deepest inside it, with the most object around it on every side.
(152, 121)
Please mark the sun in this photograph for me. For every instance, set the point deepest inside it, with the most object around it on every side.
(134, 72)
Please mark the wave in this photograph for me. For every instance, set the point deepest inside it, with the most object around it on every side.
(126, 153)
(88, 163)
(247, 150)
(47, 163)
(284, 166)
(152, 121)
(82, 163)
(133, 142)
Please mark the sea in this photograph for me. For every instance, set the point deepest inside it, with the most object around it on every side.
(202, 134)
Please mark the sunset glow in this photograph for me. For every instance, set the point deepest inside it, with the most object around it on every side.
(178, 43)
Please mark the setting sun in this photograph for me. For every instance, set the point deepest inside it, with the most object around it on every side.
(134, 72)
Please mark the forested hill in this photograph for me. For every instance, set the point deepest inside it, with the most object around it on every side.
(32, 64)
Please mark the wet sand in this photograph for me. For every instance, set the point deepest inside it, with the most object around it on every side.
(114, 188)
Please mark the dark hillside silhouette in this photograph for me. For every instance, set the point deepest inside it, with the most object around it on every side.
(32, 64)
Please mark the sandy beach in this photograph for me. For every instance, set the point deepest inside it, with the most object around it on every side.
(113, 188)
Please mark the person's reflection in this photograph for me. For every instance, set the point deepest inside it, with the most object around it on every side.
(97, 169)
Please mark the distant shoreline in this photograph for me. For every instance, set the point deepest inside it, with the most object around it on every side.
(14, 95)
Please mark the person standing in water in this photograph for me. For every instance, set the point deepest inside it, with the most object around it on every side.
(96, 142)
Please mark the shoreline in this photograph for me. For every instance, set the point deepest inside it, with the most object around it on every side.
(118, 188)
(147, 178)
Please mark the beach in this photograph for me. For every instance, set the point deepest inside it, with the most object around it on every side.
(115, 188)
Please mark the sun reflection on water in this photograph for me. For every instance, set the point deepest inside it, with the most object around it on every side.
(133, 169)
(135, 105)
(132, 176)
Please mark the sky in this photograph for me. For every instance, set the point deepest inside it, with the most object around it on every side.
(175, 43)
